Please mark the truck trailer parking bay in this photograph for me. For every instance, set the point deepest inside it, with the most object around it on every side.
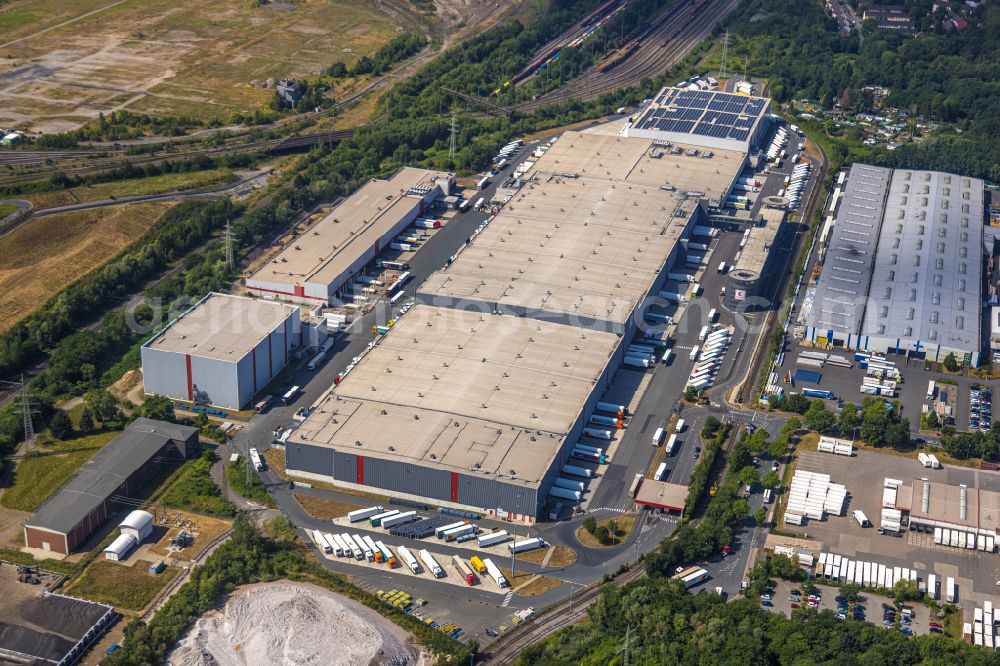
(449, 571)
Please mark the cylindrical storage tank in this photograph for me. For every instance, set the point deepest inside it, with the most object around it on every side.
(567, 483)
(741, 285)
(574, 470)
(566, 493)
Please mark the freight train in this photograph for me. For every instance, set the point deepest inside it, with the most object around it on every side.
(591, 22)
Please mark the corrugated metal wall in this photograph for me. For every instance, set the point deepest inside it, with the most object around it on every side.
(218, 379)
(408, 478)
(307, 458)
(493, 494)
(164, 373)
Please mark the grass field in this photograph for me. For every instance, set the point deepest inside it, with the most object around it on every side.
(170, 58)
(44, 255)
(6, 209)
(562, 557)
(128, 588)
(37, 477)
(320, 507)
(624, 522)
(168, 182)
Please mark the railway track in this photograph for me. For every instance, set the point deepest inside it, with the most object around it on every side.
(85, 167)
(562, 614)
(650, 59)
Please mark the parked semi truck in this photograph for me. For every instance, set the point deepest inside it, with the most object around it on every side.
(408, 559)
(362, 514)
(464, 570)
(526, 545)
(494, 573)
(431, 564)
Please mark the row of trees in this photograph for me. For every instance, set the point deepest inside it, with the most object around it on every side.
(876, 421)
(395, 50)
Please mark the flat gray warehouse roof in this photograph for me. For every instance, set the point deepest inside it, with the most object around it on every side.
(588, 234)
(101, 476)
(469, 392)
(839, 303)
(945, 505)
(928, 268)
(755, 251)
(221, 326)
(330, 246)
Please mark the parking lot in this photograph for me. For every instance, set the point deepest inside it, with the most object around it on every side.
(845, 383)
(871, 607)
(975, 572)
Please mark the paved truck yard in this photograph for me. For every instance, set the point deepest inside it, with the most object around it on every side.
(976, 573)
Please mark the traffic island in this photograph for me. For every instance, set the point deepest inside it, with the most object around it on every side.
(606, 533)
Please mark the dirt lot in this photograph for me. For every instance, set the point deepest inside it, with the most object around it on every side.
(45, 254)
(65, 62)
(169, 522)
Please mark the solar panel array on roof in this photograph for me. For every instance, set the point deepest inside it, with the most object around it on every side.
(707, 113)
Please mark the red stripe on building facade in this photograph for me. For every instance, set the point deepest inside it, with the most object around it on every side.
(287, 293)
(454, 486)
(187, 362)
(361, 471)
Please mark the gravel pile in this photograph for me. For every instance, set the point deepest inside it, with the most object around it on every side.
(291, 623)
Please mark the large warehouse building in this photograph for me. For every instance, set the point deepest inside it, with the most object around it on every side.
(711, 119)
(329, 255)
(903, 269)
(119, 470)
(221, 351)
(475, 400)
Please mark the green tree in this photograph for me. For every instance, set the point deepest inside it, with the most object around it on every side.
(158, 407)
(951, 363)
(602, 533)
(102, 404)
(796, 402)
(848, 420)
(905, 590)
(613, 528)
(771, 479)
(818, 417)
(712, 425)
(760, 515)
(691, 394)
(850, 592)
(590, 524)
(60, 424)
(86, 421)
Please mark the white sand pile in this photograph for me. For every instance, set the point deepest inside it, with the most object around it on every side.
(292, 623)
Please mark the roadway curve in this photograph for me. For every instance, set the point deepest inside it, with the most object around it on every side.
(650, 59)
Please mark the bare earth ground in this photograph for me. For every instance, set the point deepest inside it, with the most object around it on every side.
(45, 254)
(62, 62)
(293, 623)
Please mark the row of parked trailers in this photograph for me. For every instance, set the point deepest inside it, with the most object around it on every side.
(869, 574)
(607, 414)
(962, 539)
(708, 358)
